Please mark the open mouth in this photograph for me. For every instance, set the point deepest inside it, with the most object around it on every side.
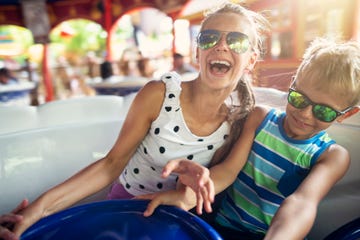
(220, 66)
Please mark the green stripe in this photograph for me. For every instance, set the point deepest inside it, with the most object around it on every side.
(261, 179)
(251, 208)
(285, 149)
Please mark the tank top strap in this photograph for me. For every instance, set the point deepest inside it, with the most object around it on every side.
(172, 82)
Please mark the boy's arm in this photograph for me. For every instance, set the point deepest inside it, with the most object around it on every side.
(224, 173)
(297, 213)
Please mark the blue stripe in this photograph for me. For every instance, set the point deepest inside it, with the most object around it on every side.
(265, 166)
(262, 192)
(268, 208)
(277, 159)
(240, 219)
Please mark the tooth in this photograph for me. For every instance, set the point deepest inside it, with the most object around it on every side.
(221, 62)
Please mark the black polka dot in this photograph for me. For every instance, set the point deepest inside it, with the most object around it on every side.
(177, 109)
(200, 140)
(141, 186)
(125, 171)
(171, 95)
(176, 129)
(168, 109)
(159, 185)
(157, 131)
(177, 179)
(168, 77)
(153, 168)
(136, 170)
(127, 186)
(226, 136)
(145, 150)
(210, 147)
(162, 149)
(190, 157)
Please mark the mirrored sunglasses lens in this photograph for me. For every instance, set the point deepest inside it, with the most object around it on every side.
(297, 100)
(208, 38)
(324, 113)
(238, 42)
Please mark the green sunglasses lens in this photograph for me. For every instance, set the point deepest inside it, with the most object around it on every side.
(238, 42)
(321, 112)
(324, 113)
(208, 38)
(298, 100)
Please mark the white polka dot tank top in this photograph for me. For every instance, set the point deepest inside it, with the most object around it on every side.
(168, 138)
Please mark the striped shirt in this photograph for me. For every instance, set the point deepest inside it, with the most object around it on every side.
(276, 166)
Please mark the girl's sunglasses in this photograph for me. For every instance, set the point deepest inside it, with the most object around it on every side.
(237, 41)
(321, 112)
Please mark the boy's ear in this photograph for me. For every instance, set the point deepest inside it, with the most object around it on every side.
(348, 114)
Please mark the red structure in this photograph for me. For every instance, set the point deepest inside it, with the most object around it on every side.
(104, 12)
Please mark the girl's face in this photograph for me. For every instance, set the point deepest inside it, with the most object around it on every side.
(221, 67)
(301, 123)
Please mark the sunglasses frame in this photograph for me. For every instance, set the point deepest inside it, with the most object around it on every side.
(219, 34)
(313, 104)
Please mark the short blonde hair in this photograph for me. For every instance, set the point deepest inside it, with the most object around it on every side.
(333, 66)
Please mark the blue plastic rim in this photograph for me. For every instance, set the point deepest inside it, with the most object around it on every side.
(349, 231)
(120, 219)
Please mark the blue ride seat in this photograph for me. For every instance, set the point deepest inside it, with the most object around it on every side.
(120, 219)
(349, 231)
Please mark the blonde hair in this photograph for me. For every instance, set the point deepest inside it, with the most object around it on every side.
(260, 25)
(334, 67)
(237, 114)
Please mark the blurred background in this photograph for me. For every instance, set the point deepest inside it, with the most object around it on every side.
(59, 49)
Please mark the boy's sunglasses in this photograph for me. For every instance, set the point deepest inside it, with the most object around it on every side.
(320, 111)
(237, 41)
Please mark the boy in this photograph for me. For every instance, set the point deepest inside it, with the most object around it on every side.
(284, 163)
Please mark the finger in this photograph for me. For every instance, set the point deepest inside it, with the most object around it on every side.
(170, 167)
(11, 218)
(7, 234)
(151, 207)
(24, 203)
(208, 191)
(207, 200)
(211, 190)
(207, 203)
(149, 196)
(199, 202)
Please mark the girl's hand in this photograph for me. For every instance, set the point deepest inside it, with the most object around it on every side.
(195, 176)
(9, 220)
(183, 198)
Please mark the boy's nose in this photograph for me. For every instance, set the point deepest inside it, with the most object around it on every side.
(307, 111)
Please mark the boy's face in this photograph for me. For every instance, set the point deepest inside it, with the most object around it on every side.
(301, 123)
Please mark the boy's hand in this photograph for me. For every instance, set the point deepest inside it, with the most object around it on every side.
(9, 220)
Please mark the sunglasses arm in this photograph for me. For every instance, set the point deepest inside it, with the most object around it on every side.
(349, 113)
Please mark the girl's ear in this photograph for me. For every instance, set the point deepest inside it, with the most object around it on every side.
(252, 62)
(348, 114)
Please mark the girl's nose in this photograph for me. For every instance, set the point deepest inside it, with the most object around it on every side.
(222, 45)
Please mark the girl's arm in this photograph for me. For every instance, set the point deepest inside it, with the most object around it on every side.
(144, 109)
